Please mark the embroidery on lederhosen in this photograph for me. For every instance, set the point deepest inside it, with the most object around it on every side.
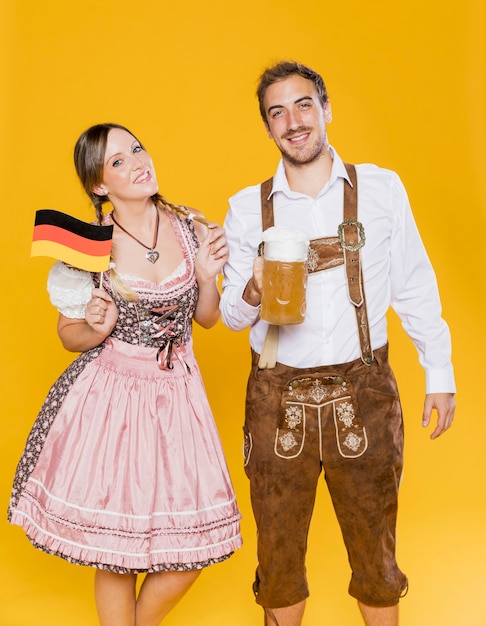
(314, 393)
(247, 446)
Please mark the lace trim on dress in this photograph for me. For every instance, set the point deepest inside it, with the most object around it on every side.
(179, 271)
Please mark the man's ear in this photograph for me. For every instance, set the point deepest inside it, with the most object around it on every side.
(269, 132)
(327, 112)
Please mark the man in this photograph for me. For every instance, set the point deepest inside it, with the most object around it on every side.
(321, 394)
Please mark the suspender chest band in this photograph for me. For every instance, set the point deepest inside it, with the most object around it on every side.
(326, 253)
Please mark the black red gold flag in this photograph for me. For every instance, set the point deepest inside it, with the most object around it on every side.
(61, 236)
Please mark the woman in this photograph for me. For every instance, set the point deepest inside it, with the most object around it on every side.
(123, 469)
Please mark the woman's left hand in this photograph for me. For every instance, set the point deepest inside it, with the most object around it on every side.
(212, 253)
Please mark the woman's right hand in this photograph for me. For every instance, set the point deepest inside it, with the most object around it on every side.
(101, 313)
(100, 316)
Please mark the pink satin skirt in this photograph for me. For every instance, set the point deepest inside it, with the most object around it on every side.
(132, 476)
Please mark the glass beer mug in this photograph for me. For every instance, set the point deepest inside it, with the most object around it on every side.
(284, 275)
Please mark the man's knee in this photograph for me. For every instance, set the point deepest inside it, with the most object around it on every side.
(379, 593)
(280, 589)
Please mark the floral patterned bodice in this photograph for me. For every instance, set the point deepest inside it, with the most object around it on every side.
(164, 311)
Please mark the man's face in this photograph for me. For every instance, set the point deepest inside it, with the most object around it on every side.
(296, 120)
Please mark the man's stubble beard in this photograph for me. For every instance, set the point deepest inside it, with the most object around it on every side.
(316, 153)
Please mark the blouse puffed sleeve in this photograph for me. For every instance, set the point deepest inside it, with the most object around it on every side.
(69, 289)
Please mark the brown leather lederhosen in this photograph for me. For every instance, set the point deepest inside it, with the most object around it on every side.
(342, 419)
(326, 253)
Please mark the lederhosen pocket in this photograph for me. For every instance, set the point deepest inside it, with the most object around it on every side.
(308, 397)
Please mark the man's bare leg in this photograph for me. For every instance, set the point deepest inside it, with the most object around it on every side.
(286, 616)
(373, 616)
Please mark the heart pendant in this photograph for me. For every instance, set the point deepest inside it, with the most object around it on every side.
(152, 256)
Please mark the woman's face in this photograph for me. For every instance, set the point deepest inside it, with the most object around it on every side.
(128, 171)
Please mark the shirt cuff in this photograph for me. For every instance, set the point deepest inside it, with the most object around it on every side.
(248, 311)
(440, 380)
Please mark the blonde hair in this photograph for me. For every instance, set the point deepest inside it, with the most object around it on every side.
(89, 154)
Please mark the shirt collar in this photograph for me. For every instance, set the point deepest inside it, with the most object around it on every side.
(280, 182)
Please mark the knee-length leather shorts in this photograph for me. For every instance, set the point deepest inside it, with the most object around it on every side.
(347, 421)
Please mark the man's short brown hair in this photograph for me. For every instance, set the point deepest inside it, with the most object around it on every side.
(283, 70)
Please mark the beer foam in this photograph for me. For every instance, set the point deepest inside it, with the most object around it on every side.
(283, 243)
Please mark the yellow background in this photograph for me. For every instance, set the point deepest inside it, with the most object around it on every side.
(407, 85)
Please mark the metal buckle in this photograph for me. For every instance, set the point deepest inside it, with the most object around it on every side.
(361, 235)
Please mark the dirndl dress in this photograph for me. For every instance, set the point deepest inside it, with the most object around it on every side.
(123, 469)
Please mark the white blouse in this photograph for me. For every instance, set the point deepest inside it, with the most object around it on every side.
(69, 289)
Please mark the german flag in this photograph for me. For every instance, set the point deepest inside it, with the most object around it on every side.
(82, 245)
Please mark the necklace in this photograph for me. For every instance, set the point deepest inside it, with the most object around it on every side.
(152, 255)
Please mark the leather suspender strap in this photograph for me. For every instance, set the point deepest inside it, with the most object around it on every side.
(351, 239)
(268, 355)
(267, 204)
